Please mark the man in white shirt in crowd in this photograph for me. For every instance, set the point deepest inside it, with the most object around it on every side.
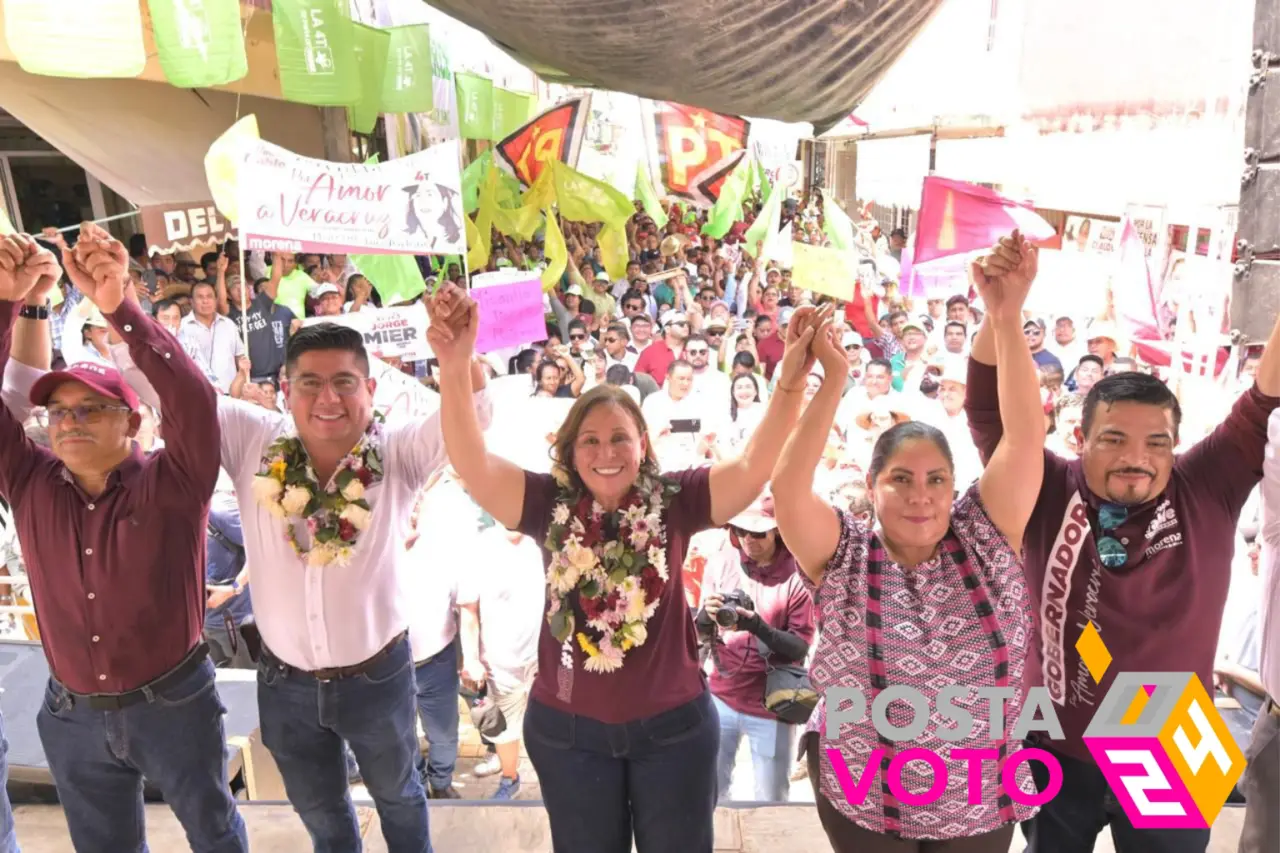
(211, 339)
(955, 338)
(641, 334)
(680, 424)
(443, 541)
(617, 346)
(1260, 783)
(501, 594)
(949, 416)
(1065, 345)
(711, 384)
(335, 663)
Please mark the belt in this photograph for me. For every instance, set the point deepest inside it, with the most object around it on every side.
(337, 672)
(148, 691)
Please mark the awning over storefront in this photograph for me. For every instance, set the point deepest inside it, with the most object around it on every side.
(145, 140)
(811, 61)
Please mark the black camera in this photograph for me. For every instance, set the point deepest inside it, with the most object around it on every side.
(727, 616)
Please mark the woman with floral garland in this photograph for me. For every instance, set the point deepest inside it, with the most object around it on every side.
(620, 726)
(932, 597)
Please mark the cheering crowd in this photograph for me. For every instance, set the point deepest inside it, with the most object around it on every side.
(758, 493)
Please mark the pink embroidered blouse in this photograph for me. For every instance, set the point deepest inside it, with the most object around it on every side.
(962, 618)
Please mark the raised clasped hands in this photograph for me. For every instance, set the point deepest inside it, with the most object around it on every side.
(799, 355)
(455, 321)
(99, 267)
(26, 268)
(1004, 275)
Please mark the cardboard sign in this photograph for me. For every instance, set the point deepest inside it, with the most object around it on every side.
(829, 271)
(183, 227)
(398, 332)
(398, 395)
(411, 205)
(510, 315)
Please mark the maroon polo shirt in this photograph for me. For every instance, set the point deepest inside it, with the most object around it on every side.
(771, 350)
(656, 361)
(118, 580)
(1162, 610)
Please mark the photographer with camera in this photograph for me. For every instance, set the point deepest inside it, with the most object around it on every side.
(757, 619)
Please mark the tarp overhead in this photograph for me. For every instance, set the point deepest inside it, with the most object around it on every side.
(145, 140)
(801, 60)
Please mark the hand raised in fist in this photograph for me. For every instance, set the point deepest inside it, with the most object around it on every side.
(455, 321)
(99, 267)
(24, 267)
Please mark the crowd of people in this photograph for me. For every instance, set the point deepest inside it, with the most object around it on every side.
(752, 493)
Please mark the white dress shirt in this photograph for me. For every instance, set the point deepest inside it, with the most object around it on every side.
(321, 617)
(214, 348)
(1268, 570)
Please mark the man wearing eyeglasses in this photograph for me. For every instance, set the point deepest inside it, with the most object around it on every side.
(114, 545)
(336, 663)
(1137, 542)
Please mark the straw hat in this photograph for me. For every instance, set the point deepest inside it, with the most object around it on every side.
(674, 243)
(881, 406)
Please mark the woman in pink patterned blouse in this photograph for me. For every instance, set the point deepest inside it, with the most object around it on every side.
(932, 597)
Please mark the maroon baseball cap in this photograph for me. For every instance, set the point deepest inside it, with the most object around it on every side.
(107, 381)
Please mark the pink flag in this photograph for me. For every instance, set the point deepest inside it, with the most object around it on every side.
(958, 217)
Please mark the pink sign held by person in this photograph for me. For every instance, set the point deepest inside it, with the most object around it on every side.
(510, 314)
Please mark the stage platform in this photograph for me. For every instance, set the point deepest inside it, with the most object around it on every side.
(518, 828)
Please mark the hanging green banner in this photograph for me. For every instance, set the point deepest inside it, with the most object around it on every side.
(371, 47)
(406, 85)
(475, 105)
(511, 111)
(200, 44)
(72, 38)
(315, 51)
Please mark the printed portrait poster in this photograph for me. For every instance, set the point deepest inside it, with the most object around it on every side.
(410, 205)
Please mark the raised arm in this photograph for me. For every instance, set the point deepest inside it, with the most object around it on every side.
(24, 267)
(1010, 484)
(736, 482)
(807, 522)
(494, 483)
(99, 267)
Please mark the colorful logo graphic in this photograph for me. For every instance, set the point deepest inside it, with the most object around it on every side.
(1161, 744)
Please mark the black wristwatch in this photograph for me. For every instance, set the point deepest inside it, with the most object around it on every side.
(35, 312)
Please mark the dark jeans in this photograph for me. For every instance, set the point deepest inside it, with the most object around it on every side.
(599, 781)
(304, 723)
(847, 837)
(8, 838)
(437, 698)
(1071, 821)
(98, 760)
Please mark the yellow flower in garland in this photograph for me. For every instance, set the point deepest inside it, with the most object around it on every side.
(277, 469)
(587, 646)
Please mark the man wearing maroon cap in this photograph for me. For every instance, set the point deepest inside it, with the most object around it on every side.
(114, 547)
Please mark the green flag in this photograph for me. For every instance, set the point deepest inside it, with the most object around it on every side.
(648, 198)
(475, 105)
(510, 111)
(371, 58)
(200, 44)
(72, 38)
(767, 222)
(728, 208)
(471, 177)
(396, 277)
(293, 291)
(762, 180)
(315, 51)
(836, 224)
(406, 87)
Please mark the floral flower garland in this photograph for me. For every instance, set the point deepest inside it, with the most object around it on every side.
(618, 581)
(335, 515)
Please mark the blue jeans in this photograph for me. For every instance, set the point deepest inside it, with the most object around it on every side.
(1071, 821)
(99, 758)
(8, 836)
(770, 742)
(304, 723)
(599, 781)
(437, 686)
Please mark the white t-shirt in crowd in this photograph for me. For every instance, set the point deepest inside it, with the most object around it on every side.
(448, 525)
(507, 580)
